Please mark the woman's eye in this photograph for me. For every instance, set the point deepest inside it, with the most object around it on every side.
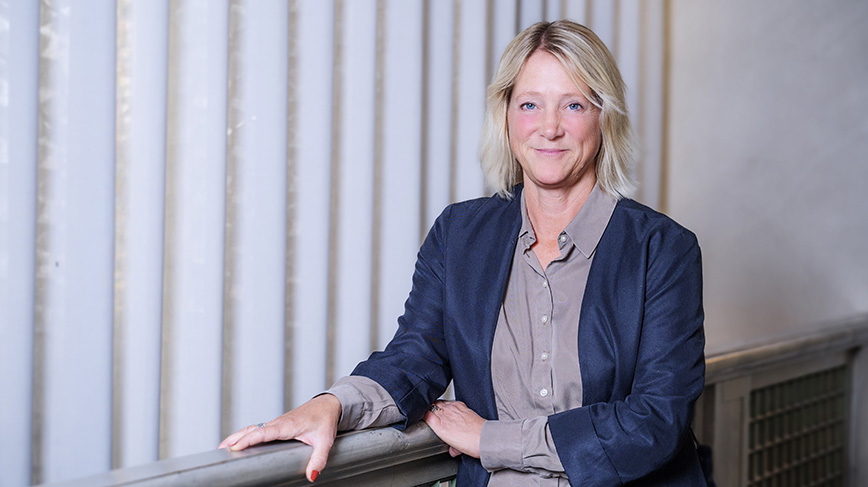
(528, 105)
(574, 106)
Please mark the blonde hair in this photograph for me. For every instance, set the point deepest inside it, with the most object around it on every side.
(586, 59)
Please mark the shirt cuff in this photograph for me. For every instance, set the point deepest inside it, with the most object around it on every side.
(352, 404)
(500, 445)
(364, 404)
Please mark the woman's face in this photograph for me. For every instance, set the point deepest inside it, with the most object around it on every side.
(554, 131)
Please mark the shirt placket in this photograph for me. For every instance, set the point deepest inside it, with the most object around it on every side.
(541, 322)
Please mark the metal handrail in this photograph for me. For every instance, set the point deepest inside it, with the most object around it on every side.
(416, 456)
(412, 457)
(849, 335)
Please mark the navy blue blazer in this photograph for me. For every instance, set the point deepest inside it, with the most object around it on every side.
(640, 341)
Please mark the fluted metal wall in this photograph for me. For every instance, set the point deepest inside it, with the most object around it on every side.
(210, 209)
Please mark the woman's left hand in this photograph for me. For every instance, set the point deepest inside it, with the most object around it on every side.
(457, 425)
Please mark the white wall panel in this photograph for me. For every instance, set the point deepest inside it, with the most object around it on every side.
(256, 224)
(553, 10)
(603, 20)
(74, 273)
(140, 190)
(649, 121)
(768, 136)
(627, 53)
(19, 71)
(354, 238)
(438, 103)
(503, 31)
(470, 70)
(227, 205)
(530, 12)
(193, 273)
(401, 152)
(576, 10)
(313, 153)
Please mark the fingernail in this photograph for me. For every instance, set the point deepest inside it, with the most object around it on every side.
(313, 475)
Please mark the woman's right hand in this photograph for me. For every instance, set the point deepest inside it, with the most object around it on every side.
(314, 423)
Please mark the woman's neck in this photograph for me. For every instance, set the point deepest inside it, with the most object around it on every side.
(551, 210)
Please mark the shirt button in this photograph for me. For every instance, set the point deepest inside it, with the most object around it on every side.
(543, 392)
(545, 284)
(545, 318)
(562, 238)
(544, 356)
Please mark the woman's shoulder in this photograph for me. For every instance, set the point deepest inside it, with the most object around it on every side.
(482, 208)
(632, 216)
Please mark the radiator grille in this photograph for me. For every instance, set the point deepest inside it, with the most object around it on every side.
(797, 431)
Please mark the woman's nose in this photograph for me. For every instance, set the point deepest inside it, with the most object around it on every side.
(552, 125)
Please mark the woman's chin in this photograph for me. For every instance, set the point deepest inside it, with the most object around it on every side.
(553, 183)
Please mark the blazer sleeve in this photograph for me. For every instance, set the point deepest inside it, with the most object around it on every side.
(629, 436)
(414, 367)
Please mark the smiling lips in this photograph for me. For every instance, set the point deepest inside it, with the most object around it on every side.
(550, 152)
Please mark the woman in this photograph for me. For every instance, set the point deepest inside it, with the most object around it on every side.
(568, 317)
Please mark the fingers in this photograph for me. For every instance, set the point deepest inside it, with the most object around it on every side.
(234, 437)
(231, 439)
(254, 435)
(453, 406)
(432, 420)
(457, 425)
(318, 458)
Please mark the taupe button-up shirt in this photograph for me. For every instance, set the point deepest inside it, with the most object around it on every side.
(534, 362)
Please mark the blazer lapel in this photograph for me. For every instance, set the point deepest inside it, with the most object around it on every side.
(487, 247)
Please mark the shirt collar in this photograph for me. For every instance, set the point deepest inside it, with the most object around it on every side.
(585, 229)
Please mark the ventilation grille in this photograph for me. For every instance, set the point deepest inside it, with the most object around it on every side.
(797, 431)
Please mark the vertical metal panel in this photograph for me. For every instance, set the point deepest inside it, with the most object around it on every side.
(401, 170)
(455, 105)
(196, 177)
(313, 151)
(356, 166)
(649, 90)
(489, 41)
(19, 106)
(470, 100)
(438, 109)
(256, 202)
(628, 56)
(377, 216)
(234, 131)
(308, 128)
(50, 279)
(140, 178)
(122, 95)
(426, 106)
(75, 226)
(291, 235)
(334, 190)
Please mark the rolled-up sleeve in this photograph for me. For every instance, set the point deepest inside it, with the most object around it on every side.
(364, 404)
(522, 444)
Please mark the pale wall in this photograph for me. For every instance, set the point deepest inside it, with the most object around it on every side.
(768, 160)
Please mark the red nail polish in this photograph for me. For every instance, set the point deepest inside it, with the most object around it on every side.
(313, 475)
